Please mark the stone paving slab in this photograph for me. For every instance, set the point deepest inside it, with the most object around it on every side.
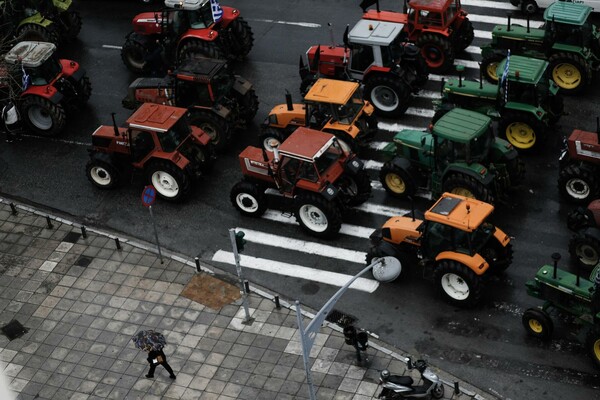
(82, 299)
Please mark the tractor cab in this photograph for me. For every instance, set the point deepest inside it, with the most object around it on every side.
(568, 23)
(426, 14)
(528, 82)
(38, 60)
(331, 102)
(202, 81)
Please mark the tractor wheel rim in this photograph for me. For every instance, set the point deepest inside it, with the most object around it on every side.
(566, 76)
(577, 188)
(271, 143)
(433, 56)
(462, 191)
(165, 184)
(395, 183)
(313, 218)
(384, 98)
(520, 135)
(246, 202)
(587, 254)
(530, 8)
(535, 326)
(491, 70)
(455, 286)
(40, 118)
(100, 176)
(596, 349)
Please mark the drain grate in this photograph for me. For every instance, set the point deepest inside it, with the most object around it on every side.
(83, 261)
(14, 329)
(340, 318)
(72, 237)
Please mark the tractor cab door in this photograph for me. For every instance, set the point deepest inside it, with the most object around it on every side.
(436, 239)
(142, 144)
(361, 58)
(428, 19)
(188, 94)
(288, 174)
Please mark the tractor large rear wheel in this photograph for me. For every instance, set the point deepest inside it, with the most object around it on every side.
(198, 47)
(522, 130)
(489, 66)
(389, 95)
(249, 106)
(355, 187)
(467, 186)
(437, 51)
(457, 283)
(317, 216)
(464, 36)
(72, 23)
(537, 323)
(38, 33)
(43, 117)
(396, 181)
(102, 174)
(248, 198)
(170, 182)
(133, 54)
(570, 72)
(592, 344)
(84, 90)
(242, 38)
(578, 184)
(215, 127)
(585, 249)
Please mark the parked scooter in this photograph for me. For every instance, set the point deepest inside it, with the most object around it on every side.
(401, 387)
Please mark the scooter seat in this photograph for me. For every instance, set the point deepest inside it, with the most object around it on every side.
(401, 380)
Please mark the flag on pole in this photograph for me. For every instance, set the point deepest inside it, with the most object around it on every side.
(217, 11)
(504, 78)
(25, 80)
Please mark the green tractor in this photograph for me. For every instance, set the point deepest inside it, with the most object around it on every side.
(567, 40)
(459, 154)
(526, 104)
(569, 295)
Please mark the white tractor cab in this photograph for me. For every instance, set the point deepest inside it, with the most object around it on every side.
(531, 7)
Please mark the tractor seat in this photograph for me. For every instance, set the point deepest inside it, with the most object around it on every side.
(401, 380)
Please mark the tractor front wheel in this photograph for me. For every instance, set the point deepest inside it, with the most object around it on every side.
(585, 249)
(317, 216)
(242, 38)
(592, 344)
(133, 54)
(84, 90)
(467, 186)
(522, 130)
(464, 36)
(271, 138)
(389, 95)
(396, 181)
(529, 7)
(248, 198)
(170, 182)
(569, 71)
(537, 323)
(102, 174)
(437, 51)
(72, 22)
(457, 283)
(249, 106)
(355, 187)
(205, 49)
(42, 116)
(215, 127)
(489, 66)
(578, 184)
(38, 33)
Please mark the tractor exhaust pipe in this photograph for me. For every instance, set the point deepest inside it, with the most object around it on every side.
(480, 77)
(442, 86)
(508, 25)
(112, 115)
(288, 100)
(555, 258)
(330, 25)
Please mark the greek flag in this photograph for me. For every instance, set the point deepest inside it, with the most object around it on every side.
(217, 11)
(25, 80)
(504, 78)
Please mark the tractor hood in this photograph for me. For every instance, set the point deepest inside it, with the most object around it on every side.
(30, 54)
(486, 90)
(401, 229)
(414, 139)
(147, 23)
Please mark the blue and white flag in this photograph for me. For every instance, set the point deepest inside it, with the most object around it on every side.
(217, 11)
(504, 78)
(25, 80)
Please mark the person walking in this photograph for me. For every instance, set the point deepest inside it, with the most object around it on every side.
(157, 357)
(11, 121)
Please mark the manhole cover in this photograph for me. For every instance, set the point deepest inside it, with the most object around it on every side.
(339, 318)
(83, 261)
(72, 237)
(14, 329)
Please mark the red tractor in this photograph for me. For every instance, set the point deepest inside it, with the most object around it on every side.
(584, 246)
(309, 175)
(157, 142)
(440, 28)
(375, 54)
(184, 28)
(44, 88)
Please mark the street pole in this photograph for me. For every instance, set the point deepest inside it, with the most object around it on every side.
(156, 235)
(305, 353)
(238, 267)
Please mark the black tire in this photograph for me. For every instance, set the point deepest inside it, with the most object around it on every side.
(133, 54)
(214, 126)
(242, 38)
(438, 391)
(102, 175)
(437, 51)
(467, 186)
(464, 36)
(170, 182)
(317, 216)
(580, 218)
(389, 95)
(271, 137)
(592, 344)
(516, 171)
(249, 106)
(529, 7)
(84, 90)
(570, 72)
(248, 198)
(498, 257)
(556, 108)
(578, 184)
(43, 117)
(457, 283)
(356, 188)
(38, 33)
(201, 157)
(489, 66)
(537, 323)
(307, 83)
(522, 130)
(585, 249)
(72, 25)
(197, 47)
(396, 181)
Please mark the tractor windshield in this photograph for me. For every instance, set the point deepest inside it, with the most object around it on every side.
(201, 18)
(480, 146)
(170, 140)
(329, 157)
(221, 84)
(439, 237)
(45, 73)
(346, 113)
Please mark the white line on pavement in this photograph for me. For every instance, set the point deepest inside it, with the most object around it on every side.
(504, 5)
(381, 209)
(350, 230)
(110, 46)
(271, 21)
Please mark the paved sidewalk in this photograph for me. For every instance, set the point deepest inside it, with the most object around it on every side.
(81, 300)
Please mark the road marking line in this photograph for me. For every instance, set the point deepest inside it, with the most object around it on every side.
(56, 140)
(488, 19)
(395, 127)
(372, 164)
(110, 46)
(350, 230)
(420, 112)
(297, 271)
(504, 5)
(272, 21)
(381, 209)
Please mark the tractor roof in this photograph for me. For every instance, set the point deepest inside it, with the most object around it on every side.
(565, 12)
(459, 212)
(331, 91)
(155, 117)
(30, 54)
(186, 4)
(372, 32)
(430, 5)
(306, 144)
(200, 68)
(523, 69)
(461, 125)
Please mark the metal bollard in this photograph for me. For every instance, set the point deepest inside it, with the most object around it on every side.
(246, 286)
(83, 232)
(117, 243)
(49, 222)
(277, 304)
(197, 264)
(13, 209)
(456, 388)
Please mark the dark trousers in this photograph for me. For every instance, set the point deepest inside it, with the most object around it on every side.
(152, 356)
(164, 364)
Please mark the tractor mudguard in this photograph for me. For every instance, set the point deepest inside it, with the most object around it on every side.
(538, 112)
(501, 237)
(401, 162)
(387, 249)
(568, 48)
(476, 263)
(48, 92)
(143, 40)
(475, 170)
(205, 35)
(229, 14)
(174, 158)
(241, 85)
(36, 19)
(353, 165)
(100, 156)
(502, 150)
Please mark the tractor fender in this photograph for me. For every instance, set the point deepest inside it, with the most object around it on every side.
(538, 112)
(488, 51)
(36, 19)
(47, 92)
(502, 151)
(501, 237)
(229, 14)
(107, 158)
(72, 69)
(404, 164)
(241, 85)
(222, 112)
(475, 170)
(143, 40)
(175, 158)
(476, 263)
(388, 249)
(205, 35)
